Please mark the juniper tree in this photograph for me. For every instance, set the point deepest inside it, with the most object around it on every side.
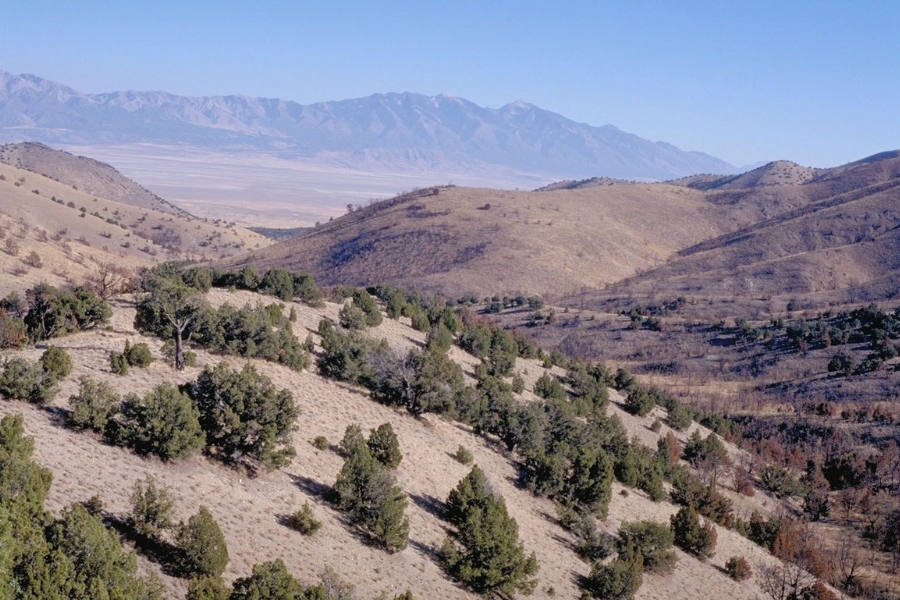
(201, 546)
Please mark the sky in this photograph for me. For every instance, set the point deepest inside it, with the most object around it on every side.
(816, 82)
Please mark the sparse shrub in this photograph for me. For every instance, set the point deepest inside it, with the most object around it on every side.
(463, 455)
(118, 363)
(655, 426)
(56, 363)
(304, 520)
(34, 260)
(94, 404)
(738, 568)
(201, 546)
(151, 507)
(321, 443)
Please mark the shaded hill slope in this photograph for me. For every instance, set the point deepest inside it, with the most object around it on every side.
(458, 240)
(837, 241)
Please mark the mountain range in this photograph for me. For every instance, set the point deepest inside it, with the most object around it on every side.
(384, 132)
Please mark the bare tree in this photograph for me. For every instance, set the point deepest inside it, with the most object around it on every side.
(109, 279)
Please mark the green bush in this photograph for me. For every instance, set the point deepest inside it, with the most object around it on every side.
(321, 443)
(439, 338)
(52, 313)
(518, 384)
(351, 317)
(548, 387)
(118, 363)
(138, 355)
(201, 546)
(245, 418)
(94, 405)
(352, 440)
(252, 332)
(164, 423)
(639, 402)
(617, 580)
(19, 378)
(366, 303)
(369, 494)
(272, 581)
(208, 588)
(56, 363)
(691, 536)
(652, 540)
(485, 552)
(304, 520)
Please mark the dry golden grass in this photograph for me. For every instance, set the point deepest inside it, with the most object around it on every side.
(71, 247)
(248, 510)
(548, 243)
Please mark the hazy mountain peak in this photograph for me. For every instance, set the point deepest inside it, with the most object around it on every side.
(398, 131)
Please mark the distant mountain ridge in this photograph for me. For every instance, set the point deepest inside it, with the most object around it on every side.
(393, 131)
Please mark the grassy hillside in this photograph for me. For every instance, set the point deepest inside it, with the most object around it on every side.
(73, 232)
(88, 175)
(250, 510)
(462, 240)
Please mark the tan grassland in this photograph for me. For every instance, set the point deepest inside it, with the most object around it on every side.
(71, 247)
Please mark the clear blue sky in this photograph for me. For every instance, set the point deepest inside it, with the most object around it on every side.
(817, 82)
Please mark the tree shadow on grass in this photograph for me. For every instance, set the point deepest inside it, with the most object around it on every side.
(431, 552)
(429, 504)
(157, 551)
(314, 488)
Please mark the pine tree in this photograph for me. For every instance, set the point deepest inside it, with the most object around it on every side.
(485, 552)
(370, 494)
(690, 536)
(151, 507)
(384, 446)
